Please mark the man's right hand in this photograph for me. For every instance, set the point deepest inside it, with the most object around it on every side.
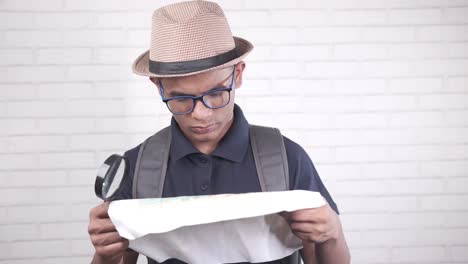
(109, 246)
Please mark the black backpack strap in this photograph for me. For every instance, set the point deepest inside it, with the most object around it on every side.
(151, 165)
(270, 158)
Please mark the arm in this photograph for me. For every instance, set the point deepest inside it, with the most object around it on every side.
(330, 251)
(320, 228)
(110, 247)
(130, 257)
(321, 234)
(334, 250)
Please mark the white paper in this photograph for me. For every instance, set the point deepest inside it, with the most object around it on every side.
(223, 228)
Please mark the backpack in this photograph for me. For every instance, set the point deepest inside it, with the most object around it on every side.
(268, 150)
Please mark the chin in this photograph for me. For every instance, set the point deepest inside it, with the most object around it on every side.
(205, 137)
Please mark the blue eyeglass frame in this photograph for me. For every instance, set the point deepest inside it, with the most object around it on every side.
(199, 97)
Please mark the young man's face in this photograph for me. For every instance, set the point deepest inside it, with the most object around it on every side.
(204, 125)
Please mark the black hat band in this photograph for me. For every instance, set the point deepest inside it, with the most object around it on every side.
(181, 67)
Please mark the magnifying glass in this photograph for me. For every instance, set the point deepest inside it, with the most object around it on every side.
(110, 177)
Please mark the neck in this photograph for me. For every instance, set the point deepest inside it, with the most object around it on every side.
(206, 148)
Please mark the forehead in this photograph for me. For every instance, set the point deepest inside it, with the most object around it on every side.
(202, 79)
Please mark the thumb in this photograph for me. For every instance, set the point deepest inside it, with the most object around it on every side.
(286, 215)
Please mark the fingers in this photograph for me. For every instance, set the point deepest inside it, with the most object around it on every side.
(316, 215)
(113, 249)
(99, 221)
(100, 211)
(97, 226)
(315, 224)
(109, 244)
(103, 234)
(307, 227)
(311, 237)
(286, 215)
(106, 239)
(310, 232)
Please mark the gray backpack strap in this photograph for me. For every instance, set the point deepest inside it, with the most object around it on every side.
(271, 162)
(151, 165)
(270, 158)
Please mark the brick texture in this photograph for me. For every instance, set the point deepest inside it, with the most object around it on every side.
(376, 91)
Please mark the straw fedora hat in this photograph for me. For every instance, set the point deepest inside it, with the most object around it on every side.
(189, 38)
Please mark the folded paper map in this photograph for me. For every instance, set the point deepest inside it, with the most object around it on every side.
(224, 228)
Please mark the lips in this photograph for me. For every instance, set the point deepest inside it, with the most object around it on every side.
(203, 129)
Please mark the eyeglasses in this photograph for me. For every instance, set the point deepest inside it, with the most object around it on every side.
(215, 98)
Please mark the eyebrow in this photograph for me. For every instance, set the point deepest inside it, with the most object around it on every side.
(217, 86)
(176, 93)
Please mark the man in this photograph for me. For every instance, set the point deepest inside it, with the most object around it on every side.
(197, 65)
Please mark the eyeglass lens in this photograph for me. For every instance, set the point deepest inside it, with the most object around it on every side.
(214, 99)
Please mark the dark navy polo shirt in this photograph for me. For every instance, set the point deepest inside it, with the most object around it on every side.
(230, 168)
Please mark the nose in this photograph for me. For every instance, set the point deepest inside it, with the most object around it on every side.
(201, 112)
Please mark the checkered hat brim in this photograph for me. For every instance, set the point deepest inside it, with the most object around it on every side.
(189, 38)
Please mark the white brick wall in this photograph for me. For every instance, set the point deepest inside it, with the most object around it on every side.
(375, 90)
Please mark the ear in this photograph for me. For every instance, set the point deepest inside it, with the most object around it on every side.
(239, 71)
(155, 81)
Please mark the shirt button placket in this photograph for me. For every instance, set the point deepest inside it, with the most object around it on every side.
(204, 187)
(205, 162)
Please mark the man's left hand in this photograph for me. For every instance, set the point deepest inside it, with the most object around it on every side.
(315, 225)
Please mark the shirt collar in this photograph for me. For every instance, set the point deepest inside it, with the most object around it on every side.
(236, 140)
(232, 146)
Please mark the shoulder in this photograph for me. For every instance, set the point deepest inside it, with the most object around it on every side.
(132, 155)
(302, 172)
(126, 189)
(299, 161)
(294, 150)
(301, 167)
